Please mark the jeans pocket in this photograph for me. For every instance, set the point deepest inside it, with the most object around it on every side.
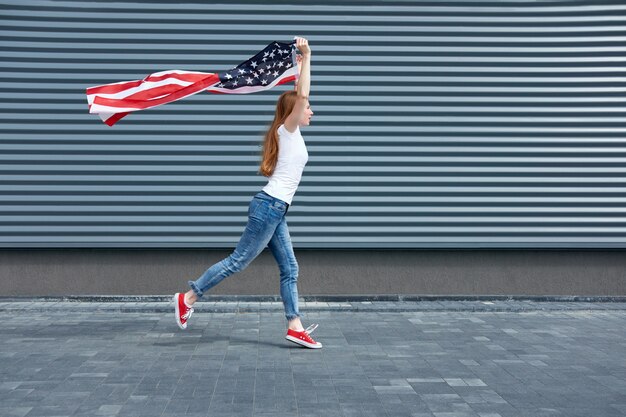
(257, 208)
(278, 207)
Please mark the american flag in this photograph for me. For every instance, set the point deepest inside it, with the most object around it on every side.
(274, 65)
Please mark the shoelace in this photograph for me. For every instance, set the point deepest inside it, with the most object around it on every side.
(187, 314)
(310, 329)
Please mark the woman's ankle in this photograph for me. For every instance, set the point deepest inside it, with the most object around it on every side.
(190, 299)
(296, 325)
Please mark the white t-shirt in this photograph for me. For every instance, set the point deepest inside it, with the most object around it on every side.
(292, 157)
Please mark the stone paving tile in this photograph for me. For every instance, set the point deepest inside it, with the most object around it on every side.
(438, 363)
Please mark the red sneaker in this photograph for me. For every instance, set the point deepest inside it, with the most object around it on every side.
(303, 338)
(183, 311)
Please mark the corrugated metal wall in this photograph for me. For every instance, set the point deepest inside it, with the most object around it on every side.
(437, 124)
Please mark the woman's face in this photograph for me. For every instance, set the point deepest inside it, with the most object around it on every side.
(306, 117)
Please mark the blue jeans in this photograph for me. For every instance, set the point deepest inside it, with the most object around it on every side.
(266, 227)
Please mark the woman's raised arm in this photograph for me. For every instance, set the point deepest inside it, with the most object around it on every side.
(304, 85)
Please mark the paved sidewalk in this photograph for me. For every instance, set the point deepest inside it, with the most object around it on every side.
(85, 360)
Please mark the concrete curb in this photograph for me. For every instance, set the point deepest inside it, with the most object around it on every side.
(156, 304)
(322, 298)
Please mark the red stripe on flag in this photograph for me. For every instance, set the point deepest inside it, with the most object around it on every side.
(145, 104)
(118, 88)
(116, 118)
(287, 80)
(154, 92)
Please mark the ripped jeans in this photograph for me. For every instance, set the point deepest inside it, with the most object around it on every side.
(266, 227)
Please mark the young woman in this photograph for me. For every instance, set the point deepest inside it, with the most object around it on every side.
(284, 158)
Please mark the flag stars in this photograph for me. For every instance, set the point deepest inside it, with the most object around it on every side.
(261, 70)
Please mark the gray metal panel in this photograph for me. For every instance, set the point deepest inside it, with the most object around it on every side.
(437, 124)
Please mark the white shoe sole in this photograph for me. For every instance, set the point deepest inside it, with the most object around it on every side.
(303, 343)
(177, 311)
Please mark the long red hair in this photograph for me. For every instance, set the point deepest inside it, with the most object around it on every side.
(284, 106)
